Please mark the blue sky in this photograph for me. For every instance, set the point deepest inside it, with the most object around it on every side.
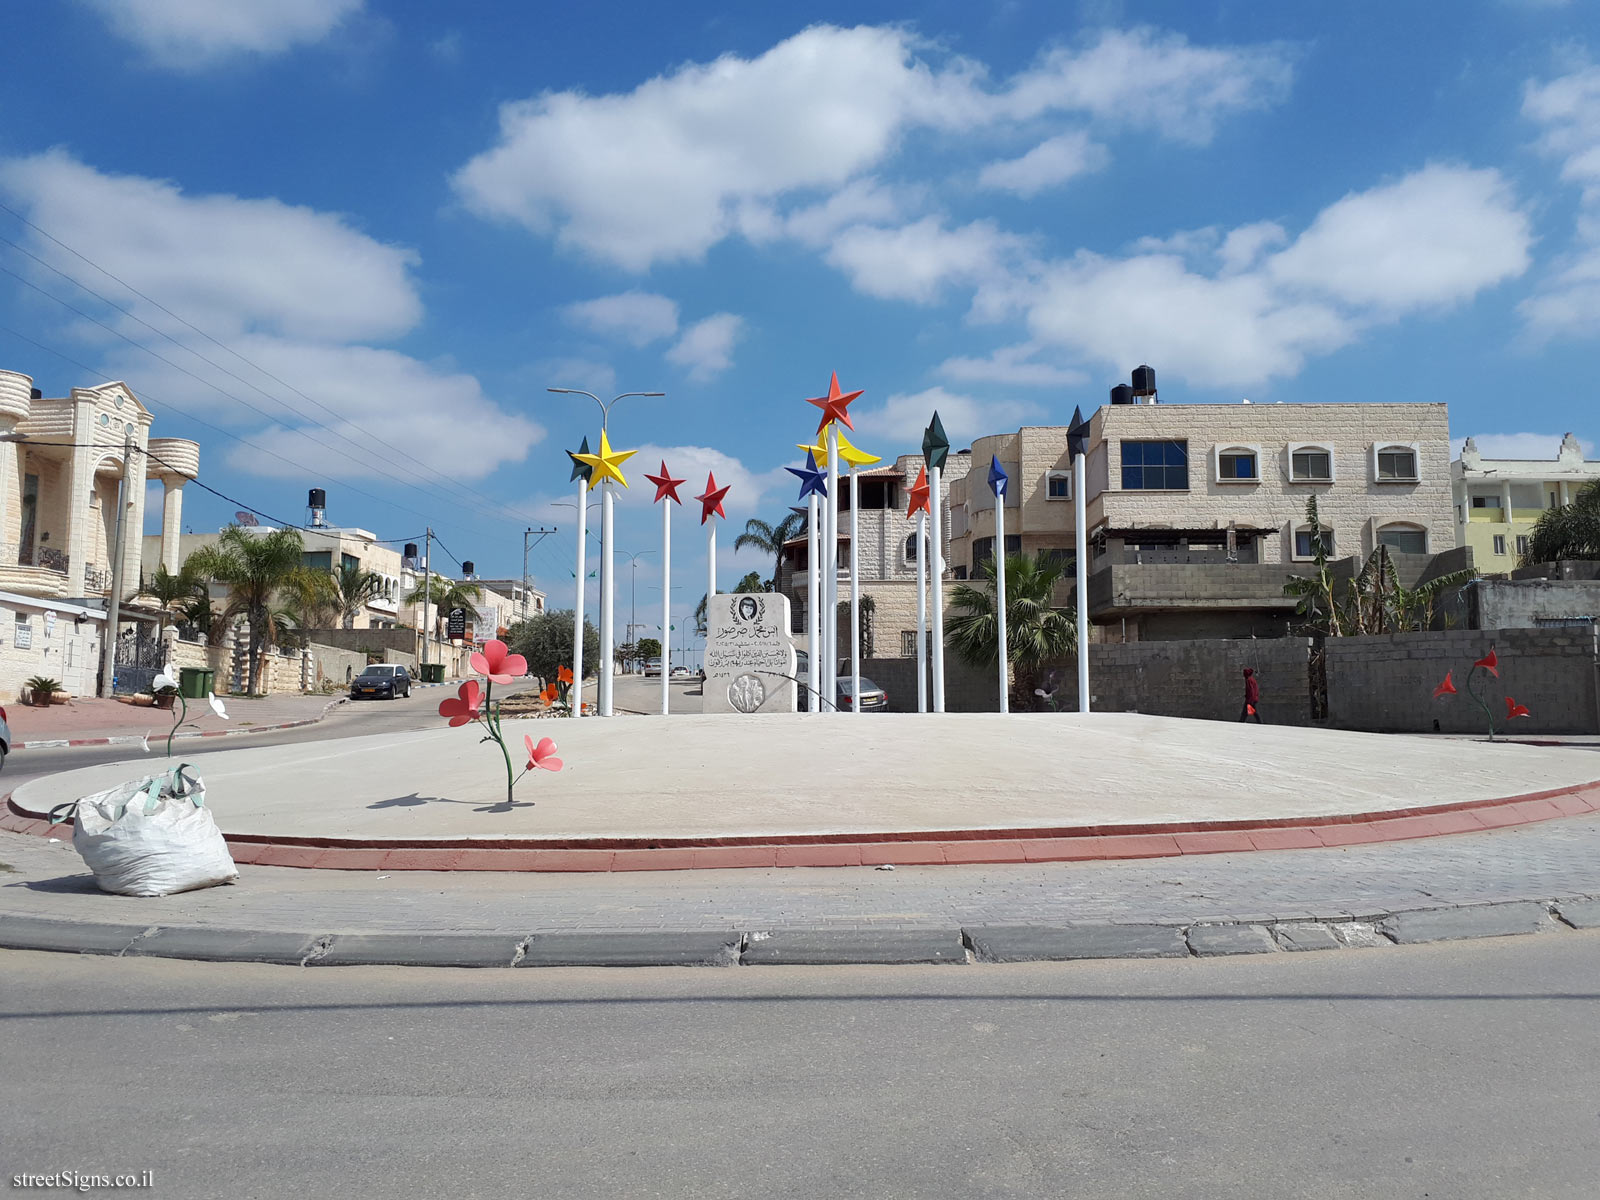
(389, 226)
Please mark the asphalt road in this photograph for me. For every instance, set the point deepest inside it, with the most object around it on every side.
(1465, 1070)
(420, 710)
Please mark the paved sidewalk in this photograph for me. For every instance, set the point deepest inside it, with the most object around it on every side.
(101, 722)
(1533, 878)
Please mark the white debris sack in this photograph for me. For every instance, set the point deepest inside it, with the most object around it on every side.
(152, 837)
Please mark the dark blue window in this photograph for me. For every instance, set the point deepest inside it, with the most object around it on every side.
(1155, 466)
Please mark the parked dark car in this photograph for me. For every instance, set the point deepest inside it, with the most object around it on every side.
(873, 697)
(385, 680)
(5, 737)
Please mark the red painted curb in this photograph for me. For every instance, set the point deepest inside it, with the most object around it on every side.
(1084, 843)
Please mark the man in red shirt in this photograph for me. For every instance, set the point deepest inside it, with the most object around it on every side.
(1252, 697)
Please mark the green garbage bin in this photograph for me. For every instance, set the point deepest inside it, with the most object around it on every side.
(196, 683)
(432, 672)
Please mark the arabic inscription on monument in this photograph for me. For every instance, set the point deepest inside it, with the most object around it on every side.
(749, 661)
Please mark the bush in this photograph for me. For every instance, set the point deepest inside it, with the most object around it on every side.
(546, 642)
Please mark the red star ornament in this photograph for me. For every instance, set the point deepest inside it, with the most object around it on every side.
(919, 494)
(835, 405)
(711, 499)
(666, 485)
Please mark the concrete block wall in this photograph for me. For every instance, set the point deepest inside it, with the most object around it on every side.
(331, 663)
(966, 689)
(1385, 684)
(1198, 679)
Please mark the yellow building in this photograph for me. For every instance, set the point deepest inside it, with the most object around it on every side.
(1497, 500)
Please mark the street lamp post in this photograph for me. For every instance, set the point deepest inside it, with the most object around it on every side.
(633, 589)
(607, 581)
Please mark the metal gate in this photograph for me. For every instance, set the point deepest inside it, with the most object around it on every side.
(138, 660)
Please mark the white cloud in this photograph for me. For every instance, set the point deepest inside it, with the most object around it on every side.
(1519, 445)
(904, 416)
(861, 201)
(1433, 238)
(1437, 237)
(1048, 164)
(706, 348)
(292, 290)
(597, 377)
(916, 261)
(664, 172)
(637, 318)
(748, 489)
(244, 265)
(1146, 79)
(1013, 366)
(1568, 111)
(191, 34)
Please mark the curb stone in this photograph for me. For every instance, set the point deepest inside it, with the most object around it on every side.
(137, 739)
(820, 947)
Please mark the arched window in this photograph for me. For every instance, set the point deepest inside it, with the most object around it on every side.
(1236, 464)
(1305, 544)
(911, 555)
(1310, 463)
(1403, 537)
(1058, 485)
(1396, 463)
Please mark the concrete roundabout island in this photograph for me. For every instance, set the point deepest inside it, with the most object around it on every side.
(694, 791)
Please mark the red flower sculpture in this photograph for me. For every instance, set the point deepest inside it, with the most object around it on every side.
(463, 707)
(549, 694)
(1515, 710)
(542, 755)
(497, 664)
(1490, 662)
(563, 674)
(1447, 688)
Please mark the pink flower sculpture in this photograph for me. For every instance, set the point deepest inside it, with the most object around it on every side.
(463, 707)
(542, 756)
(497, 664)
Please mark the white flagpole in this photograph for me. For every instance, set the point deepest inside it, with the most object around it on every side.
(1000, 595)
(813, 607)
(936, 579)
(855, 593)
(922, 612)
(607, 600)
(576, 695)
(830, 615)
(666, 600)
(1082, 539)
(711, 568)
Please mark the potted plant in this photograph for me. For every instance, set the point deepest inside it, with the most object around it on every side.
(40, 688)
(165, 696)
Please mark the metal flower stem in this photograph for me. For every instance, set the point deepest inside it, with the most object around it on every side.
(491, 722)
(182, 713)
(1473, 692)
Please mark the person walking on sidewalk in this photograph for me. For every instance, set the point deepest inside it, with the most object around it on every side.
(1252, 697)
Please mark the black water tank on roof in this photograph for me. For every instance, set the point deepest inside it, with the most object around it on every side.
(466, 569)
(411, 552)
(1144, 381)
(317, 499)
(1122, 394)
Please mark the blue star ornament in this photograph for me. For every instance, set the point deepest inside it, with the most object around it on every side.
(997, 477)
(812, 480)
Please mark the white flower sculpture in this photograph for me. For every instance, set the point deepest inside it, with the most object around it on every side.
(166, 679)
(216, 705)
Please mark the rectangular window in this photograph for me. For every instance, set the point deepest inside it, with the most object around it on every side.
(1305, 546)
(1412, 541)
(1236, 466)
(1522, 548)
(1311, 466)
(908, 644)
(958, 572)
(1397, 464)
(1477, 502)
(1060, 487)
(1155, 466)
(1499, 548)
(1067, 560)
(982, 552)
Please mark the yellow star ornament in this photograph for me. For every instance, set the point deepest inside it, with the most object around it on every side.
(606, 461)
(851, 456)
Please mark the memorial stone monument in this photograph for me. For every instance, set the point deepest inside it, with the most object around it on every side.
(749, 661)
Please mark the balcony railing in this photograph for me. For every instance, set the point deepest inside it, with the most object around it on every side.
(47, 557)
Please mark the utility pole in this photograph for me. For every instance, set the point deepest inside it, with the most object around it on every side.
(427, 582)
(526, 534)
(108, 651)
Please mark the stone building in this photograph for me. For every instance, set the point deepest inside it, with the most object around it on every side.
(1497, 500)
(63, 465)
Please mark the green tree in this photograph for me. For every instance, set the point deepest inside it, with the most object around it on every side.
(441, 595)
(866, 609)
(173, 590)
(254, 568)
(1568, 530)
(751, 583)
(545, 640)
(353, 586)
(309, 594)
(769, 539)
(1316, 595)
(649, 648)
(1036, 633)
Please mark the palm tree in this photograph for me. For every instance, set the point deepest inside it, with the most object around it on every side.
(254, 568)
(1036, 633)
(769, 539)
(309, 593)
(168, 589)
(441, 595)
(353, 586)
(1317, 593)
(1568, 530)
